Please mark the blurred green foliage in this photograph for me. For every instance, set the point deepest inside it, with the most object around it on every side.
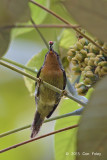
(86, 13)
(65, 142)
(35, 11)
(4, 41)
(92, 132)
(17, 107)
(35, 63)
(13, 11)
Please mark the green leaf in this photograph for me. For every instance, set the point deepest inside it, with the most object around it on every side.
(37, 14)
(4, 41)
(65, 41)
(92, 133)
(14, 11)
(90, 14)
(35, 63)
(65, 142)
(58, 8)
(68, 38)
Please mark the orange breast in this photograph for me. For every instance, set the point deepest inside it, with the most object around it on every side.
(51, 72)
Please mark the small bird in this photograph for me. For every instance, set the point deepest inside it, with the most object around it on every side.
(47, 100)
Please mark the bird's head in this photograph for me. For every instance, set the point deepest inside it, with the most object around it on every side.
(51, 45)
(51, 58)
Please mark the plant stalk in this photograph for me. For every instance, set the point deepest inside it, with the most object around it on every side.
(66, 22)
(45, 83)
(37, 138)
(39, 26)
(74, 113)
(18, 65)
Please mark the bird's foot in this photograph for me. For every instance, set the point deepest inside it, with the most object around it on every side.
(64, 93)
(39, 81)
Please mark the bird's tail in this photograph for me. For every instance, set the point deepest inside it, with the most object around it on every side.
(36, 124)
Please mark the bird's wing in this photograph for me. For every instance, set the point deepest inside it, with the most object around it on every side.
(61, 67)
(53, 110)
(64, 79)
(58, 97)
(37, 87)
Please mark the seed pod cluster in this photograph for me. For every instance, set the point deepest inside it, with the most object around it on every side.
(89, 61)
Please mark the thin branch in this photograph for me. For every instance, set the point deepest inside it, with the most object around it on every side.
(14, 131)
(41, 35)
(45, 83)
(74, 113)
(89, 39)
(51, 12)
(66, 22)
(18, 65)
(39, 26)
(37, 138)
(53, 26)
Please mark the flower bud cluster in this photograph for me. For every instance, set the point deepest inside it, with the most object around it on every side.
(89, 61)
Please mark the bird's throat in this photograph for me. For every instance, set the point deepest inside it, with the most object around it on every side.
(51, 62)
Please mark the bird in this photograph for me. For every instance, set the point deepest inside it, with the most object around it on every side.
(46, 99)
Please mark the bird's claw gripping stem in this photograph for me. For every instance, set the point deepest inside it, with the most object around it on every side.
(64, 92)
(39, 81)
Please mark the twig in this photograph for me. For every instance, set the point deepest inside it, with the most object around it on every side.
(18, 65)
(39, 26)
(37, 138)
(45, 83)
(41, 35)
(74, 113)
(52, 13)
(66, 22)
(14, 131)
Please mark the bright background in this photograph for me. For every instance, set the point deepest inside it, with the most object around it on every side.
(17, 107)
